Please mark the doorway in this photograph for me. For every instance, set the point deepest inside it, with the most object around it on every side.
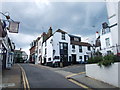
(74, 59)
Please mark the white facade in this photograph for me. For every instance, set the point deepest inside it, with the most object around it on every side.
(112, 8)
(81, 56)
(58, 48)
(7, 51)
(109, 37)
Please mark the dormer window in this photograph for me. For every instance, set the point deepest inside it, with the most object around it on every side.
(76, 39)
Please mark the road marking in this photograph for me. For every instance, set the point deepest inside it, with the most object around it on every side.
(74, 74)
(79, 84)
(23, 77)
(68, 77)
(25, 80)
(76, 82)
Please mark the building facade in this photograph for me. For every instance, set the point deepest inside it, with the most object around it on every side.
(109, 34)
(6, 48)
(20, 56)
(32, 49)
(60, 48)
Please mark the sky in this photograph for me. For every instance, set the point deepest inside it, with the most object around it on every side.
(77, 18)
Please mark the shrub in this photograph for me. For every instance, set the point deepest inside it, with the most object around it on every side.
(106, 60)
(94, 59)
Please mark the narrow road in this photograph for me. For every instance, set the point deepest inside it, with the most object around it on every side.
(40, 77)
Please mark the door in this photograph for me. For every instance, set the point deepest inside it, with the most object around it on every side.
(74, 58)
(44, 60)
(85, 58)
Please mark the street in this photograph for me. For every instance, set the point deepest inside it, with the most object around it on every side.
(40, 77)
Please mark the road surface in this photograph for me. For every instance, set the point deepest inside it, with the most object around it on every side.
(40, 77)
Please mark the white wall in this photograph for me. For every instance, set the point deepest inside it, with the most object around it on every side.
(39, 47)
(103, 43)
(56, 39)
(108, 75)
(112, 8)
(78, 54)
(49, 48)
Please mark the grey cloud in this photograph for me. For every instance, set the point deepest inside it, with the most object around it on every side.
(74, 17)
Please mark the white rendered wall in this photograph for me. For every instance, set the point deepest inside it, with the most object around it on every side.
(39, 47)
(78, 54)
(57, 38)
(103, 43)
(109, 75)
(112, 8)
(49, 48)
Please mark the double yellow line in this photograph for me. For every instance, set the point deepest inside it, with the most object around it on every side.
(76, 82)
(25, 80)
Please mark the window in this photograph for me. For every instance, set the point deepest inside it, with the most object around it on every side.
(80, 57)
(76, 39)
(49, 59)
(45, 51)
(107, 40)
(80, 48)
(63, 36)
(45, 43)
(65, 46)
(109, 52)
(73, 46)
(104, 31)
(39, 50)
(89, 48)
(56, 57)
(61, 45)
(70, 58)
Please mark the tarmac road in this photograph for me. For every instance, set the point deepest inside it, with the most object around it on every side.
(40, 77)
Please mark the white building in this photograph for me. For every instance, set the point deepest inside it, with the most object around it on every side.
(60, 47)
(80, 51)
(110, 34)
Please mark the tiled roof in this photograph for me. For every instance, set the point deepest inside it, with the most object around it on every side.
(80, 43)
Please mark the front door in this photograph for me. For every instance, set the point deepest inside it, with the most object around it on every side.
(74, 58)
(44, 60)
(85, 58)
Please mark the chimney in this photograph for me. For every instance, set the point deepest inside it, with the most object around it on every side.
(20, 49)
(49, 32)
(97, 34)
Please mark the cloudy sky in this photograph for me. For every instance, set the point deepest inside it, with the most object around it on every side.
(78, 18)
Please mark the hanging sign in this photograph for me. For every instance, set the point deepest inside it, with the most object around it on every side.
(13, 26)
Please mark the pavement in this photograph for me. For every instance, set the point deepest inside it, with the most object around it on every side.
(91, 82)
(12, 78)
(72, 72)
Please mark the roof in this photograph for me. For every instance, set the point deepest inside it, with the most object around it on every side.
(59, 30)
(74, 36)
(80, 43)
